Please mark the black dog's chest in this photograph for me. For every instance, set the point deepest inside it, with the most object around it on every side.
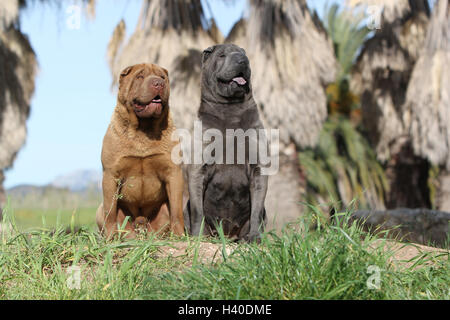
(227, 197)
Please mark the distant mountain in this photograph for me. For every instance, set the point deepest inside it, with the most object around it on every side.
(23, 190)
(79, 180)
(79, 189)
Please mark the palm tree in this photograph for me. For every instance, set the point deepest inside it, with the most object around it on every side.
(343, 167)
(292, 62)
(427, 107)
(17, 72)
(381, 76)
(347, 33)
(173, 34)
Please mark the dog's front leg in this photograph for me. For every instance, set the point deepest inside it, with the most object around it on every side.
(196, 181)
(174, 189)
(107, 213)
(258, 190)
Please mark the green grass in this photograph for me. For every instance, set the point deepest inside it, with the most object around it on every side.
(51, 207)
(327, 263)
(27, 218)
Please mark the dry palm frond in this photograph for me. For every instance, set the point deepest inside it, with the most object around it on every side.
(215, 33)
(392, 10)
(427, 108)
(90, 8)
(115, 42)
(9, 12)
(18, 68)
(173, 34)
(384, 67)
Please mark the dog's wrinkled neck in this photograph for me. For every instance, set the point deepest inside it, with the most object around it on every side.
(212, 99)
(151, 127)
(226, 115)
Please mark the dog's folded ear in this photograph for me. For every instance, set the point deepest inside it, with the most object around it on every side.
(124, 73)
(207, 53)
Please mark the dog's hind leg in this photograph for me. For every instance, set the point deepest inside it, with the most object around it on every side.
(258, 190)
(196, 182)
(100, 218)
(186, 217)
(161, 221)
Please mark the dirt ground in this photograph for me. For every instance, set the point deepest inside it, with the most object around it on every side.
(209, 253)
(404, 252)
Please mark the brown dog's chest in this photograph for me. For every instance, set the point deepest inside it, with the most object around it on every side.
(141, 183)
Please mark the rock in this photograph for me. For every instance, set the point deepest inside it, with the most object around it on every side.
(423, 226)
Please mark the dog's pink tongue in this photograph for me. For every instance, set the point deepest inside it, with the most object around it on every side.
(240, 81)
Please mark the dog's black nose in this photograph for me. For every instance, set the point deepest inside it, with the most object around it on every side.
(243, 59)
(240, 58)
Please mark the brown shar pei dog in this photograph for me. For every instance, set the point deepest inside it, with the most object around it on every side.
(140, 181)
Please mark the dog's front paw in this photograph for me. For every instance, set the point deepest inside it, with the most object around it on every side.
(253, 237)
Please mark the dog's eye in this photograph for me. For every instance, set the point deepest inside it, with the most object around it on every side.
(140, 77)
(222, 56)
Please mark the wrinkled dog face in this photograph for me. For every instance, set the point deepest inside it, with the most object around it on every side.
(144, 89)
(226, 71)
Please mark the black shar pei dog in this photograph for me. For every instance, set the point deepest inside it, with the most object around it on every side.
(231, 195)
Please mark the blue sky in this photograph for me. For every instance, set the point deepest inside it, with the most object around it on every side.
(73, 102)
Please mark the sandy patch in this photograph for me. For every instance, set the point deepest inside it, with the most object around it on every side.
(207, 253)
(404, 253)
